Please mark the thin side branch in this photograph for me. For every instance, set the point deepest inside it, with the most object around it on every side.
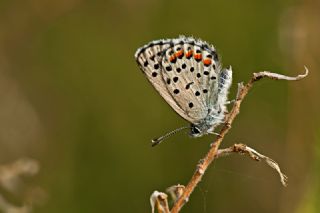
(210, 156)
(244, 149)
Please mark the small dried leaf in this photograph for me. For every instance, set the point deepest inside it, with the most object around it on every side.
(175, 191)
(158, 200)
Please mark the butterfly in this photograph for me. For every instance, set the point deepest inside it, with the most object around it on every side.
(188, 75)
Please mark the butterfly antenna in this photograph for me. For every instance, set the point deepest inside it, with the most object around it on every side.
(156, 141)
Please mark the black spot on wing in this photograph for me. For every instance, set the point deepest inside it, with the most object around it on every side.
(176, 91)
(169, 68)
(188, 85)
(156, 66)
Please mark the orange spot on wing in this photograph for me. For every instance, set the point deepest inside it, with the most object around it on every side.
(172, 58)
(197, 56)
(179, 54)
(207, 61)
(189, 54)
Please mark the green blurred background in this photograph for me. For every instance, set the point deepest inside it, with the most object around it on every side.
(73, 98)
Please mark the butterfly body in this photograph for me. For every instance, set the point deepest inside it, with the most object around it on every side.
(188, 75)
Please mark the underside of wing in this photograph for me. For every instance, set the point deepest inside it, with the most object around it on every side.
(149, 58)
(191, 68)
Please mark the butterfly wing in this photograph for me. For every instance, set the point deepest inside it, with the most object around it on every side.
(149, 59)
(192, 68)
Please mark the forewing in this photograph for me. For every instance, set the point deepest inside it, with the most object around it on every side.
(149, 59)
(191, 66)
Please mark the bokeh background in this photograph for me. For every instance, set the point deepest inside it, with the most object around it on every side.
(73, 99)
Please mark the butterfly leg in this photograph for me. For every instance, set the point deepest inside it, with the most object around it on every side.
(214, 133)
(230, 102)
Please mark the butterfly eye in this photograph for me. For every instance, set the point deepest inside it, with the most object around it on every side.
(195, 131)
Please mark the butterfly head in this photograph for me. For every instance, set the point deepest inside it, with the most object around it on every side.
(207, 125)
(195, 131)
(198, 130)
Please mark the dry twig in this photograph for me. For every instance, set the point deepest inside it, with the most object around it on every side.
(210, 156)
